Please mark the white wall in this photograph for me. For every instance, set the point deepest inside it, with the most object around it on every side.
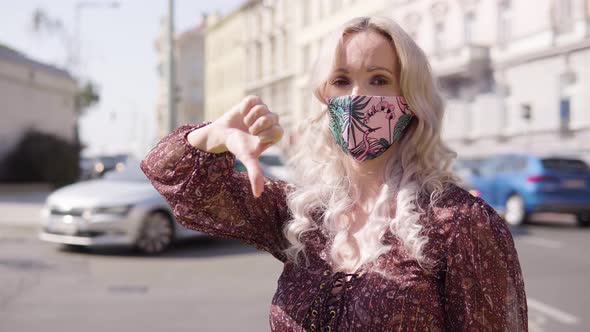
(580, 61)
(33, 98)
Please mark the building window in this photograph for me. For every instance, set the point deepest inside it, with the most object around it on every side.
(526, 112)
(259, 60)
(468, 26)
(323, 9)
(306, 12)
(505, 93)
(567, 90)
(438, 11)
(285, 52)
(563, 15)
(564, 114)
(439, 32)
(306, 57)
(273, 55)
(504, 22)
(412, 24)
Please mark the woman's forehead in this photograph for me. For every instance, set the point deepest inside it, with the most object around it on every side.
(365, 50)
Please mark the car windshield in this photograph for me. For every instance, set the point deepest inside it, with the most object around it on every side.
(270, 160)
(130, 173)
(467, 165)
(565, 164)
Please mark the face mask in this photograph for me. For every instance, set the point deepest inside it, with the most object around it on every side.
(366, 126)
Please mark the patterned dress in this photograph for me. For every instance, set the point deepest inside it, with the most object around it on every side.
(477, 284)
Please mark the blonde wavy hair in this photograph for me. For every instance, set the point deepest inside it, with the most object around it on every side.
(324, 191)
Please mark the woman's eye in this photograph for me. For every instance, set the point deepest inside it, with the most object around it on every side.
(379, 81)
(340, 82)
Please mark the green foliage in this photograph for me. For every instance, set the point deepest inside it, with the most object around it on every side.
(86, 97)
(41, 157)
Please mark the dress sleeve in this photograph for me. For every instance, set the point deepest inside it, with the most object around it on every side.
(207, 195)
(484, 287)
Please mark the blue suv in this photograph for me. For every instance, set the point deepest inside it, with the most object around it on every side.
(517, 185)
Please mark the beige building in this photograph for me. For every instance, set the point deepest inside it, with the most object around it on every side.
(225, 61)
(265, 48)
(270, 61)
(189, 74)
(33, 95)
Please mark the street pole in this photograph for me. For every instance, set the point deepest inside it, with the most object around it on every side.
(171, 67)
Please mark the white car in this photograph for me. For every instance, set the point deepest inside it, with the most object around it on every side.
(121, 208)
(271, 162)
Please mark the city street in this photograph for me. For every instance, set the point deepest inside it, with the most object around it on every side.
(359, 98)
(204, 285)
(554, 257)
(220, 285)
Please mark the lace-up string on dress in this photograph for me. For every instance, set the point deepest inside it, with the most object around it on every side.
(328, 305)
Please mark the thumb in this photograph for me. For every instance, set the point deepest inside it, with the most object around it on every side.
(255, 175)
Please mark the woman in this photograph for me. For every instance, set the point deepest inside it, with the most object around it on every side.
(374, 234)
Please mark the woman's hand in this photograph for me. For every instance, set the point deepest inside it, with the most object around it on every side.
(246, 130)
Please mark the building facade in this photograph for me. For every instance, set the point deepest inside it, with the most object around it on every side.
(225, 61)
(270, 62)
(514, 73)
(190, 77)
(33, 95)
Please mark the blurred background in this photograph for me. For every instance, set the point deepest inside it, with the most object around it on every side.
(88, 87)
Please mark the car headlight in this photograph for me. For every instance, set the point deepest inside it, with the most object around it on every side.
(112, 210)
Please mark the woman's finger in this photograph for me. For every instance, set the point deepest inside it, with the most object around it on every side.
(271, 135)
(254, 175)
(263, 123)
(255, 113)
(248, 103)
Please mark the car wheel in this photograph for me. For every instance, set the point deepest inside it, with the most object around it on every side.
(515, 214)
(156, 234)
(584, 220)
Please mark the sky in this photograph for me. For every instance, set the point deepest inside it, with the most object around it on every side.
(117, 52)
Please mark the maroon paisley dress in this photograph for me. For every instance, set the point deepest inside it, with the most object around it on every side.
(476, 285)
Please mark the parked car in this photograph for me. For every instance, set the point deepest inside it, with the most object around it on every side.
(465, 169)
(120, 208)
(271, 164)
(95, 167)
(518, 185)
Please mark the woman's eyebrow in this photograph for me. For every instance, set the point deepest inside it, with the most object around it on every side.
(342, 70)
(373, 68)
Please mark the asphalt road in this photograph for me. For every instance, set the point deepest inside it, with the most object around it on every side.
(204, 285)
(555, 258)
(220, 285)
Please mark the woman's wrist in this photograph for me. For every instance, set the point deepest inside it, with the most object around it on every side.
(209, 138)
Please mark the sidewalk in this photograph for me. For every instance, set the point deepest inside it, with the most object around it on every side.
(20, 204)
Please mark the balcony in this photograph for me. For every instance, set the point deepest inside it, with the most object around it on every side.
(467, 61)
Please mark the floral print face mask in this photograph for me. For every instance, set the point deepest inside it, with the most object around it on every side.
(366, 126)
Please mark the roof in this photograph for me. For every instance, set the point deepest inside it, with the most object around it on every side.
(14, 56)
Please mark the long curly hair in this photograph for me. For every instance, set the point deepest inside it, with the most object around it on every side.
(324, 191)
